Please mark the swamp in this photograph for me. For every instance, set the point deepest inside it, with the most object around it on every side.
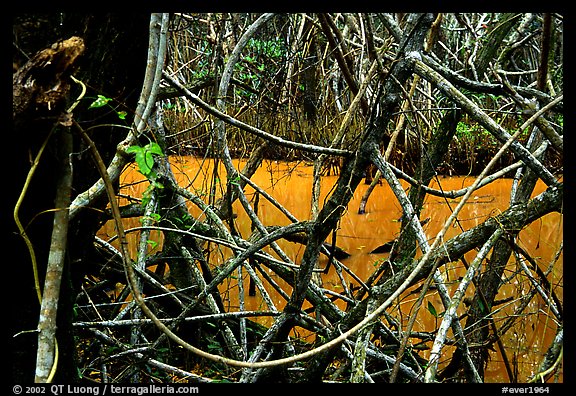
(288, 198)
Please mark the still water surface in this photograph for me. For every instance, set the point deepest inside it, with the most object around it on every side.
(290, 184)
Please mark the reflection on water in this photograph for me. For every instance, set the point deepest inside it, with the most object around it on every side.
(290, 184)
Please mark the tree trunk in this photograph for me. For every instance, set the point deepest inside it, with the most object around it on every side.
(112, 64)
(350, 177)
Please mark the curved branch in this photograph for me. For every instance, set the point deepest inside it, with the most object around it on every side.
(450, 313)
(249, 128)
(155, 63)
(495, 129)
(481, 87)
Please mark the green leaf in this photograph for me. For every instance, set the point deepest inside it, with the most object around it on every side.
(143, 164)
(99, 102)
(156, 184)
(154, 148)
(235, 181)
(122, 115)
(482, 307)
(134, 149)
(432, 310)
(144, 157)
(148, 159)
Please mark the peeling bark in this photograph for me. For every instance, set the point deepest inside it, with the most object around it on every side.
(42, 84)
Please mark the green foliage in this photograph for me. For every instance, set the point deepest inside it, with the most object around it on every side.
(559, 119)
(102, 101)
(153, 217)
(482, 307)
(273, 48)
(258, 61)
(432, 309)
(184, 221)
(147, 194)
(463, 130)
(234, 180)
(144, 157)
(201, 69)
(473, 133)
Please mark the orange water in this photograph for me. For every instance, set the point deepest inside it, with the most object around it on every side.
(290, 184)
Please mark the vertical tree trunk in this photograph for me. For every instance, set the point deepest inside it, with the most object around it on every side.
(405, 250)
(350, 177)
(479, 318)
(112, 65)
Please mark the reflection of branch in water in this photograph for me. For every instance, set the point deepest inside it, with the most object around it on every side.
(302, 238)
(387, 247)
(369, 238)
(475, 200)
